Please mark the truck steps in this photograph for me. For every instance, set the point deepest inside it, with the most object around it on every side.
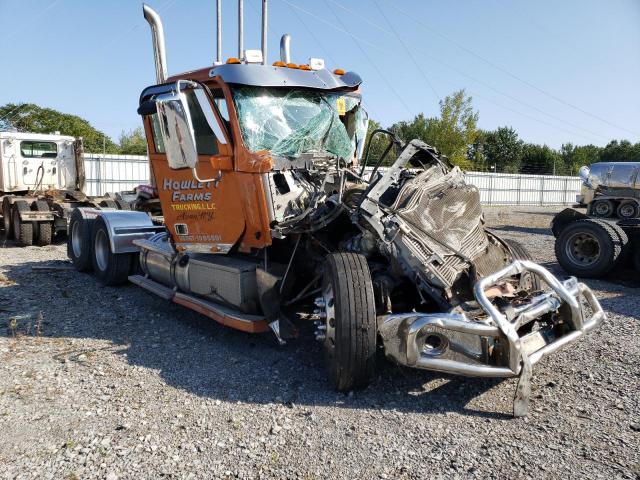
(221, 314)
(152, 286)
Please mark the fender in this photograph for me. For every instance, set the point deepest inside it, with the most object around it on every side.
(126, 226)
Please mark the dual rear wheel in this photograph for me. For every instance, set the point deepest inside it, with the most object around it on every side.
(89, 248)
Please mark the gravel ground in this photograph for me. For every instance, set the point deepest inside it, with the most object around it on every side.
(115, 383)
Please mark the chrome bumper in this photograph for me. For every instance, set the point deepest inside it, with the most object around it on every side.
(452, 343)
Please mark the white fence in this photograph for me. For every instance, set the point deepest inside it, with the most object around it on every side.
(113, 173)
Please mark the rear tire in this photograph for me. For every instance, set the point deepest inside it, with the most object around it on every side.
(44, 230)
(110, 268)
(602, 208)
(350, 343)
(6, 218)
(627, 209)
(588, 248)
(22, 231)
(79, 241)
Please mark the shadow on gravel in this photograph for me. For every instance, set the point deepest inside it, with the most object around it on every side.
(531, 230)
(193, 353)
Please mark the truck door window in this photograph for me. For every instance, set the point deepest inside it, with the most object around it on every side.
(34, 149)
(157, 137)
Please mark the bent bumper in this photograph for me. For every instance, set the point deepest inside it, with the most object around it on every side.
(491, 346)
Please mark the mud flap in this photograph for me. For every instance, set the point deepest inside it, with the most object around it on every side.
(523, 390)
(270, 300)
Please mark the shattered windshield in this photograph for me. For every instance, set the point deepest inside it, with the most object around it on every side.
(291, 122)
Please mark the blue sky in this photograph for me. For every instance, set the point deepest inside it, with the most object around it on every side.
(556, 71)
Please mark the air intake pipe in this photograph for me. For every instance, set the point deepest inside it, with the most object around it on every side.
(157, 36)
(285, 48)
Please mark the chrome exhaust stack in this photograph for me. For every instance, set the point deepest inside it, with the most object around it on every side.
(219, 32)
(285, 48)
(240, 29)
(157, 36)
(265, 20)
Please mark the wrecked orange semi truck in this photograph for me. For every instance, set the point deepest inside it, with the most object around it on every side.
(271, 220)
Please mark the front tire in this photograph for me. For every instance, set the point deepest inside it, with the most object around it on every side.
(351, 331)
(110, 268)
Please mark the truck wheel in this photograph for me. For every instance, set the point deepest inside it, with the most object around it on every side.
(351, 332)
(79, 241)
(108, 204)
(588, 248)
(22, 231)
(44, 230)
(602, 208)
(110, 268)
(627, 209)
(6, 218)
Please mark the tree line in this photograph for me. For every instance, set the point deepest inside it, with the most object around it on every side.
(455, 133)
(29, 117)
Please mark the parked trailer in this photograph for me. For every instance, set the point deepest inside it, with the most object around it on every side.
(593, 247)
(271, 223)
(41, 181)
(611, 189)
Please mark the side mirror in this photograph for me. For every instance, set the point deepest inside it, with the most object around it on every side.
(176, 129)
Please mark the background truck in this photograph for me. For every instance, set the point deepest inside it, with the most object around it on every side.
(41, 180)
(271, 224)
(594, 247)
(611, 189)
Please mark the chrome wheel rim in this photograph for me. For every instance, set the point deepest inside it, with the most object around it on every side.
(330, 311)
(76, 243)
(583, 249)
(101, 249)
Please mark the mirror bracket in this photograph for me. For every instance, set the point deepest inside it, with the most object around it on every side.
(215, 180)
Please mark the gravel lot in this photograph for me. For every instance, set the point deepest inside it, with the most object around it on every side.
(116, 383)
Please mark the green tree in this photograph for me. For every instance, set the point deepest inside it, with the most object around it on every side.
(620, 151)
(28, 117)
(503, 150)
(133, 142)
(453, 132)
(540, 159)
(575, 156)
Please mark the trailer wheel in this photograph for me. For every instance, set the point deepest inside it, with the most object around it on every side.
(588, 248)
(6, 217)
(108, 204)
(602, 208)
(79, 241)
(627, 209)
(110, 268)
(44, 230)
(22, 231)
(349, 305)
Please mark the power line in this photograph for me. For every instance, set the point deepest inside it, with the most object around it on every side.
(373, 64)
(511, 97)
(507, 72)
